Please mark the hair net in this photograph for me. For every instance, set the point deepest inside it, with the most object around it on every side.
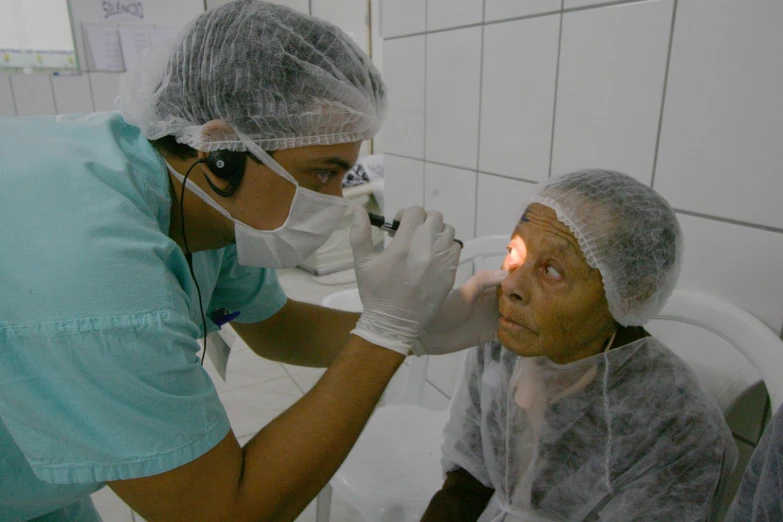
(760, 495)
(623, 435)
(283, 78)
(627, 231)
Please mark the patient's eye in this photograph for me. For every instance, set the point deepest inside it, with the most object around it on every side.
(514, 258)
(553, 273)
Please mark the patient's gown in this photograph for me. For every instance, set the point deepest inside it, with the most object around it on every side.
(625, 435)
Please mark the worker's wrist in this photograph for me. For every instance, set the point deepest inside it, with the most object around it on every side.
(392, 333)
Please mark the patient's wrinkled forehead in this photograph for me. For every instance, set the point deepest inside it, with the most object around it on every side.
(545, 218)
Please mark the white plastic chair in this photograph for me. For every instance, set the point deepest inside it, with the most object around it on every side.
(394, 468)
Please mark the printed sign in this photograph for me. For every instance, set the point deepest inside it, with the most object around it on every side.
(117, 8)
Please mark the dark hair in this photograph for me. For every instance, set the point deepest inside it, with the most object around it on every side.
(169, 145)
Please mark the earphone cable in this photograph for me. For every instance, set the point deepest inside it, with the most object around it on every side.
(189, 255)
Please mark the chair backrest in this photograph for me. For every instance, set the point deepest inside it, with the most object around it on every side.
(729, 349)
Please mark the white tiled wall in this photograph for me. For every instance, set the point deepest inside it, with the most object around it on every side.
(404, 184)
(401, 17)
(72, 94)
(33, 95)
(696, 113)
(452, 100)
(7, 106)
(518, 97)
(453, 192)
(38, 94)
(442, 14)
(610, 87)
(505, 9)
(403, 131)
(721, 150)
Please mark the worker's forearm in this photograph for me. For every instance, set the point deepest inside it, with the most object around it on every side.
(301, 334)
(288, 462)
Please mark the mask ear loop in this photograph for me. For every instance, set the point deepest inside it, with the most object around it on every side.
(256, 150)
(189, 255)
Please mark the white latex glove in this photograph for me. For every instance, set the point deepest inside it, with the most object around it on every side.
(468, 318)
(403, 287)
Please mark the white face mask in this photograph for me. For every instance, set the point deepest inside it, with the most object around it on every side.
(311, 220)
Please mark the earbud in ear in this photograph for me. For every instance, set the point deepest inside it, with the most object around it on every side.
(227, 165)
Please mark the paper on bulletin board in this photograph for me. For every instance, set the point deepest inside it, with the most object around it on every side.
(159, 37)
(134, 41)
(105, 49)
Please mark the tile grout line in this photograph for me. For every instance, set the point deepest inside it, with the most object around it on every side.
(459, 167)
(730, 221)
(288, 376)
(517, 18)
(424, 137)
(663, 95)
(13, 96)
(54, 98)
(480, 103)
(557, 81)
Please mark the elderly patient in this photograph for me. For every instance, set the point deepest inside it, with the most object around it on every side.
(575, 412)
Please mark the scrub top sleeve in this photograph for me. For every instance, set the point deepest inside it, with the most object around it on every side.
(107, 398)
(254, 292)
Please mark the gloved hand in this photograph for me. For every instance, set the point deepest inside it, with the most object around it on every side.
(468, 318)
(403, 287)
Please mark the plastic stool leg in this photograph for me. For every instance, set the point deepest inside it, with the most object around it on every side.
(323, 504)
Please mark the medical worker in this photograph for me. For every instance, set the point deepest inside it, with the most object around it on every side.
(110, 271)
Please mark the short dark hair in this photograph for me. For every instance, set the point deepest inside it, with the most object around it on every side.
(171, 147)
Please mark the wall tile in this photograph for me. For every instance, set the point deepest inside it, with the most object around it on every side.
(72, 94)
(442, 14)
(453, 78)
(500, 204)
(403, 131)
(172, 13)
(400, 17)
(299, 5)
(444, 370)
(104, 90)
(7, 107)
(33, 94)
(518, 96)
(452, 192)
(612, 67)
(403, 184)
(737, 263)
(569, 4)
(348, 15)
(502, 9)
(720, 151)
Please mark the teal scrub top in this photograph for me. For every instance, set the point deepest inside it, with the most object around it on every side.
(99, 374)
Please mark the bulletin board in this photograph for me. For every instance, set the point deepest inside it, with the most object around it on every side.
(36, 35)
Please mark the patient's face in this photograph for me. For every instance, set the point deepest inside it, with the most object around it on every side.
(552, 303)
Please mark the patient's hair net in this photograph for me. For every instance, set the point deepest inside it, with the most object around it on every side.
(283, 78)
(624, 435)
(627, 231)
